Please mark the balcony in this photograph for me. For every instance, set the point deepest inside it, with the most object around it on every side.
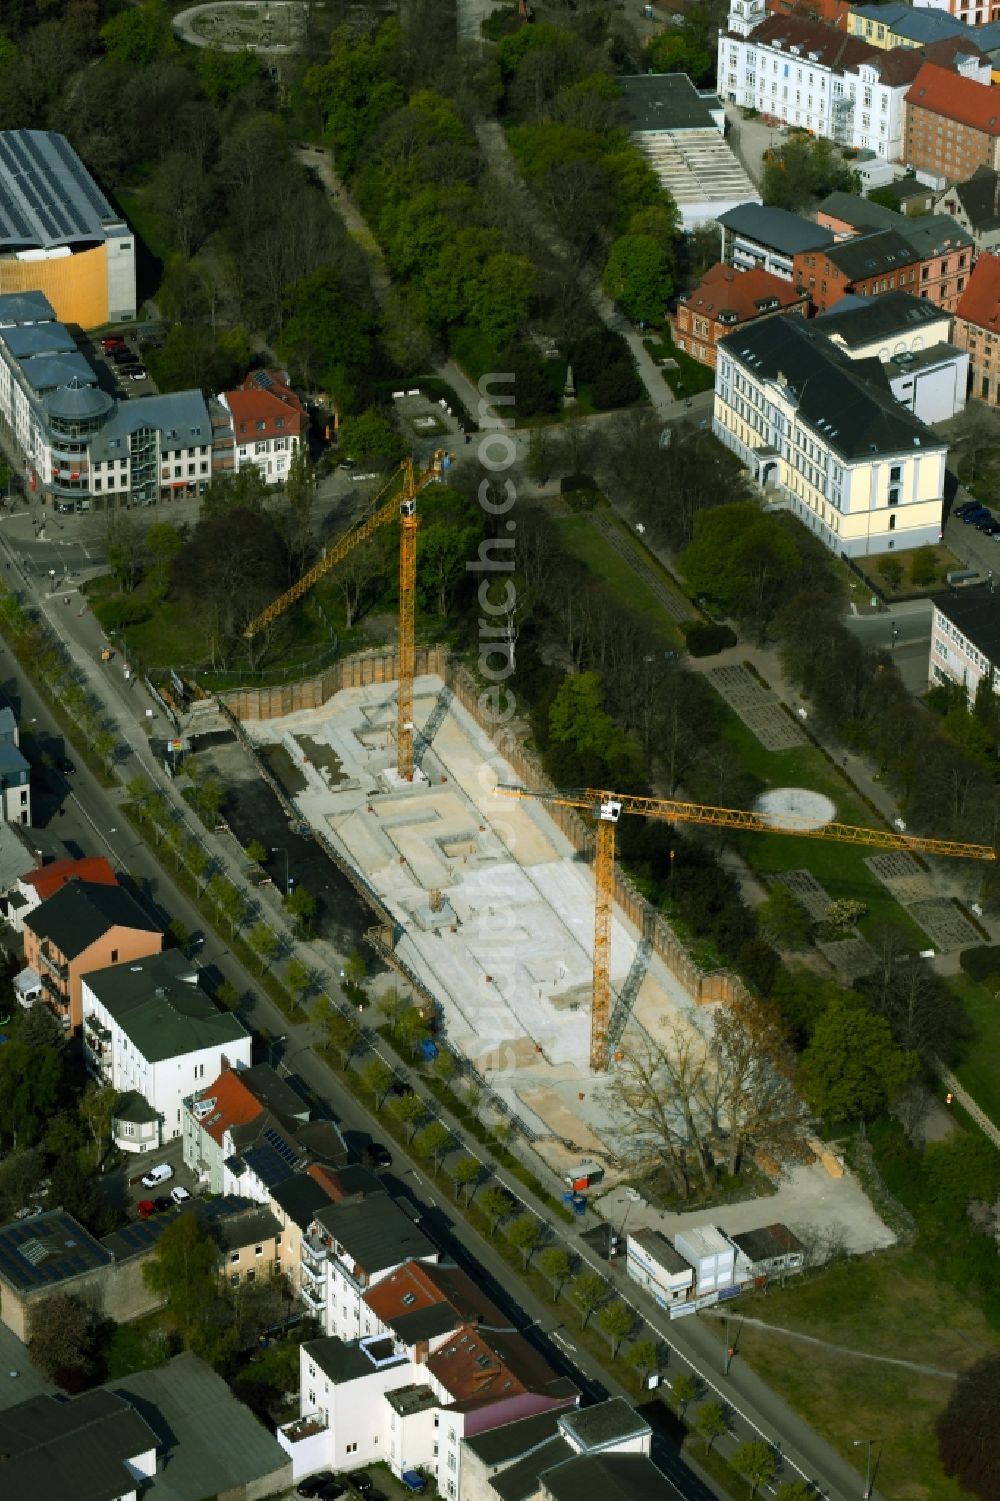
(315, 1272)
(61, 971)
(313, 1300)
(304, 1427)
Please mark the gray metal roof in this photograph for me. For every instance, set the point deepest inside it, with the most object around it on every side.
(595, 1477)
(512, 1441)
(46, 371)
(976, 613)
(209, 1443)
(25, 307)
(47, 196)
(860, 213)
(47, 1249)
(160, 1006)
(857, 418)
(342, 1363)
(77, 400)
(181, 416)
(776, 228)
(26, 339)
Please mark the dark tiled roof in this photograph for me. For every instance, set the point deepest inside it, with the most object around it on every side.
(604, 1423)
(375, 1232)
(664, 102)
(870, 255)
(520, 1480)
(855, 417)
(770, 1240)
(980, 198)
(342, 1363)
(860, 213)
(595, 1477)
(879, 317)
(80, 914)
(935, 234)
(512, 1441)
(976, 613)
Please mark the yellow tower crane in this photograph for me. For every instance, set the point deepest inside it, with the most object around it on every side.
(607, 807)
(393, 500)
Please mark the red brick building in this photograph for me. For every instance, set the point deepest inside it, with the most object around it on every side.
(930, 257)
(724, 299)
(977, 329)
(952, 124)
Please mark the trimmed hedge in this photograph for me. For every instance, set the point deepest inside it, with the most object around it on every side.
(981, 962)
(704, 638)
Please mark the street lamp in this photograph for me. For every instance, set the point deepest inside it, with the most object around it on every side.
(279, 849)
(869, 1472)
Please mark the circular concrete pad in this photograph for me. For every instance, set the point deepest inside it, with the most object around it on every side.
(795, 808)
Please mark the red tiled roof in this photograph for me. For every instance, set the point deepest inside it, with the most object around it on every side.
(954, 98)
(49, 879)
(330, 1182)
(474, 1367)
(980, 302)
(826, 45)
(832, 12)
(723, 289)
(263, 414)
(427, 1286)
(235, 1105)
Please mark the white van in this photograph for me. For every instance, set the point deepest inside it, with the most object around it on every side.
(157, 1175)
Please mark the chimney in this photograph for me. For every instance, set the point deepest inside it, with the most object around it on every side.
(224, 1064)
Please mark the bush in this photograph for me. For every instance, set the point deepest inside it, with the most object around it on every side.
(114, 614)
(580, 501)
(705, 637)
(616, 386)
(572, 482)
(981, 962)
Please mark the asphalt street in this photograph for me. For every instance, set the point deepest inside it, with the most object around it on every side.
(905, 631)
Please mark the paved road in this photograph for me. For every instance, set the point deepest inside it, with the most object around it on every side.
(903, 629)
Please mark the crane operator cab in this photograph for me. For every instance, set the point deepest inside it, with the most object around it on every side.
(610, 809)
(408, 508)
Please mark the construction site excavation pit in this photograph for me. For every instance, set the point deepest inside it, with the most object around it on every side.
(494, 906)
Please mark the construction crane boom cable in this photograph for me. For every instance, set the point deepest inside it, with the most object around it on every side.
(607, 807)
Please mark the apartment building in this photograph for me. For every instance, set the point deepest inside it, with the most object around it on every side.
(803, 73)
(756, 238)
(349, 1248)
(228, 1114)
(965, 640)
(827, 437)
(952, 124)
(723, 300)
(81, 929)
(37, 885)
(904, 25)
(930, 257)
(977, 329)
(926, 371)
(149, 1029)
(79, 448)
(846, 215)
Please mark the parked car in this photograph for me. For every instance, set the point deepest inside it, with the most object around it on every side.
(979, 514)
(145, 1208)
(66, 766)
(361, 1482)
(989, 524)
(313, 1484)
(179, 1195)
(121, 355)
(376, 1155)
(966, 507)
(162, 1173)
(138, 373)
(113, 341)
(399, 1088)
(331, 1491)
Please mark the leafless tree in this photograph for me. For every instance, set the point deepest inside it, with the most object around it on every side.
(664, 1093)
(755, 1096)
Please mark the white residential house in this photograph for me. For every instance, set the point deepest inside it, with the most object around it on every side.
(266, 423)
(799, 72)
(15, 773)
(965, 640)
(150, 1031)
(349, 1247)
(826, 440)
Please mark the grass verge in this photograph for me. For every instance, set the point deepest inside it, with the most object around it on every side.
(978, 1070)
(582, 540)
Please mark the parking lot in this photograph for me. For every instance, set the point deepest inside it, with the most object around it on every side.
(119, 362)
(125, 1188)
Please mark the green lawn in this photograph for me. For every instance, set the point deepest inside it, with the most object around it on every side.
(891, 1304)
(978, 1070)
(690, 376)
(585, 542)
(839, 868)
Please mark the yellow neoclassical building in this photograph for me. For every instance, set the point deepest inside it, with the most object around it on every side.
(59, 235)
(856, 468)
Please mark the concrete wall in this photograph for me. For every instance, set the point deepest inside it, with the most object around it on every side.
(117, 1291)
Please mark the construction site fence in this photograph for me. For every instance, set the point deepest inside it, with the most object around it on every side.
(365, 669)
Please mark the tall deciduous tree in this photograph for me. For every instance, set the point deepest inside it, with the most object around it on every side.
(754, 1083)
(638, 277)
(183, 1269)
(664, 1093)
(968, 1431)
(851, 1066)
(64, 1337)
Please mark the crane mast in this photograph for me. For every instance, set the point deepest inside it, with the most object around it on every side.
(607, 808)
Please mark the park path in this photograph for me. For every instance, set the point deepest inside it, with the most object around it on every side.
(676, 604)
(826, 1344)
(964, 1098)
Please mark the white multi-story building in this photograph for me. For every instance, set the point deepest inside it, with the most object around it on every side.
(350, 1247)
(265, 423)
(79, 447)
(149, 1030)
(965, 640)
(827, 441)
(802, 73)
